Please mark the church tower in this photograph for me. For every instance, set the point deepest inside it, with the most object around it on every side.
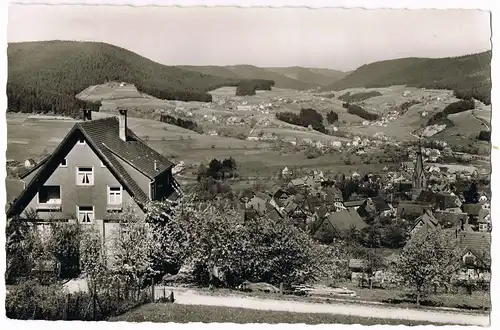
(418, 173)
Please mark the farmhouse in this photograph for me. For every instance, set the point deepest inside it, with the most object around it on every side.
(100, 167)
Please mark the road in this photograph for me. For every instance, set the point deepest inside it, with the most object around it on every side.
(190, 297)
(480, 120)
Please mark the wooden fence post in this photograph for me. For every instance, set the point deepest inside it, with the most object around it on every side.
(66, 307)
(152, 290)
(94, 305)
(164, 293)
(171, 296)
(281, 288)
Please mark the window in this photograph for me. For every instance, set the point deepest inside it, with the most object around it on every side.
(85, 176)
(81, 141)
(49, 195)
(64, 163)
(85, 214)
(469, 260)
(114, 195)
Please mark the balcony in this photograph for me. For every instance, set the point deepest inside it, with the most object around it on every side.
(49, 199)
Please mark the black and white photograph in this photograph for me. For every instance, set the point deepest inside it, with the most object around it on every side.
(248, 165)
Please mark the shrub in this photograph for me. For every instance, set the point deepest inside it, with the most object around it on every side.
(312, 152)
(30, 300)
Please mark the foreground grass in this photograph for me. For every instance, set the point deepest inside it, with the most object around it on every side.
(162, 313)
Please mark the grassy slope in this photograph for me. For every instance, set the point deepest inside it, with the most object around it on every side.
(464, 72)
(162, 313)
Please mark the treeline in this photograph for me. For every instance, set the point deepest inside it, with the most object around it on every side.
(217, 169)
(184, 123)
(46, 76)
(306, 118)
(403, 108)
(360, 112)
(249, 87)
(27, 100)
(358, 97)
(455, 107)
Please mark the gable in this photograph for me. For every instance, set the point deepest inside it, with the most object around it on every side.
(50, 169)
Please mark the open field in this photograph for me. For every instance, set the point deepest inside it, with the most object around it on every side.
(162, 313)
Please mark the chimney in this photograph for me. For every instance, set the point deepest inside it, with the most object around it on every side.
(123, 124)
(87, 114)
(155, 165)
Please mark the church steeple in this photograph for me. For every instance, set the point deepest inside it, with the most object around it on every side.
(418, 173)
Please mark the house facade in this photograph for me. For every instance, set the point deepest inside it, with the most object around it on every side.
(100, 168)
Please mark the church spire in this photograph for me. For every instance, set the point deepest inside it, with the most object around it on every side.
(418, 173)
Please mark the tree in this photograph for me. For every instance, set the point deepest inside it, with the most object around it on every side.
(64, 245)
(18, 248)
(221, 247)
(472, 195)
(214, 168)
(92, 258)
(228, 166)
(332, 117)
(428, 259)
(133, 246)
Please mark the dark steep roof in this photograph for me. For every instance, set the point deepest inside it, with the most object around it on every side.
(477, 242)
(102, 136)
(343, 220)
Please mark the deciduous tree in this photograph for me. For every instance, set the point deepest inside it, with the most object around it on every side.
(428, 259)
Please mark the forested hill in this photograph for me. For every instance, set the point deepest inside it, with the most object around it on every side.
(46, 76)
(468, 76)
(294, 77)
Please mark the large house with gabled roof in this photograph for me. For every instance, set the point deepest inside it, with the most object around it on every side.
(98, 168)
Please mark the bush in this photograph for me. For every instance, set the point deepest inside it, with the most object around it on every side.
(30, 300)
(312, 152)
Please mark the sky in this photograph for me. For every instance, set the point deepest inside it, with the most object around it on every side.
(342, 39)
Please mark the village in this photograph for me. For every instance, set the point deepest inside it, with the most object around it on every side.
(320, 178)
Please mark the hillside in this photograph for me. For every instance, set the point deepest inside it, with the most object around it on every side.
(253, 72)
(468, 75)
(321, 77)
(46, 76)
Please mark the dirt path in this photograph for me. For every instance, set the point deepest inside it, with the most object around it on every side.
(189, 297)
